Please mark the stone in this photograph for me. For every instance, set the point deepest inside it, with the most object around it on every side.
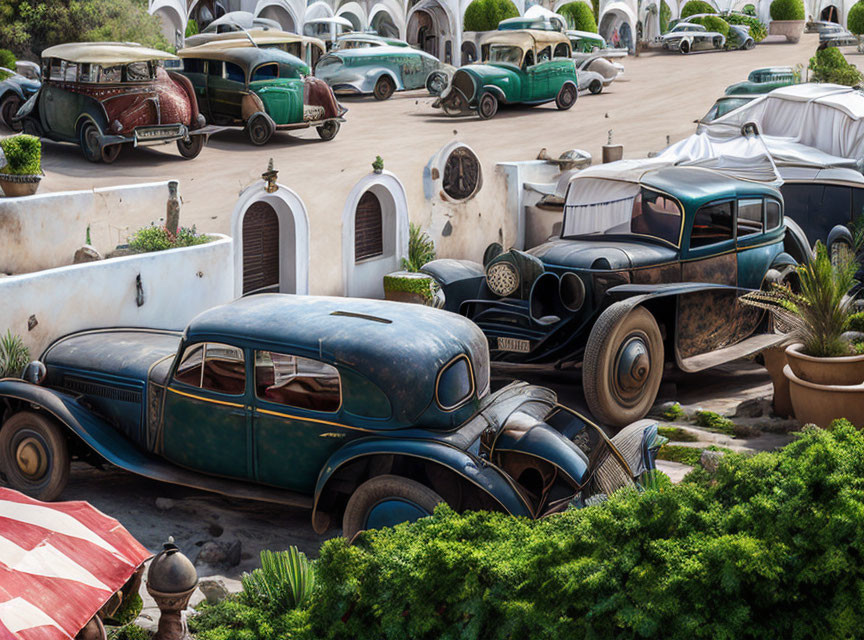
(214, 590)
(219, 554)
(710, 460)
(86, 253)
(163, 504)
(753, 408)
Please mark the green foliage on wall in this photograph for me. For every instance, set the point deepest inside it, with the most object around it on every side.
(23, 155)
(855, 21)
(192, 28)
(484, 15)
(758, 31)
(695, 7)
(158, 238)
(580, 16)
(787, 10)
(665, 16)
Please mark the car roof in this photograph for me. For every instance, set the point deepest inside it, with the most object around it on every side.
(699, 185)
(371, 37)
(370, 52)
(248, 56)
(105, 53)
(242, 39)
(525, 38)
(584, 34)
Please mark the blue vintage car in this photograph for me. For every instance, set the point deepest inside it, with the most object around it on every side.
(366, 410)
(15, 90)
(382, 70)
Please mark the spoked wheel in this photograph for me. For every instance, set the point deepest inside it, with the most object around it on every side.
(259, 129)
(8, 108)
(34, 455)
(110, 152)
(595, 87)
(384, 88)
(385, 501)
(685, 47)
(90, 141)
(436, 83)
(487, 107)
(328, 130)
(192, 147)
(566, 97)
(623, 364)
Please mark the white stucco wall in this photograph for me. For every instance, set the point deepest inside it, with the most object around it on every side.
(44, 231)
(177, 285)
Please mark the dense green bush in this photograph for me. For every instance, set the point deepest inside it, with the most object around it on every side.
(580, 16)
(855, 21)
(830, 65)
(758, 31)
(23, 155)
(7, 59)
(157, 238)
(665, 16)
(750, 9)
(192, 28)
(421, 249)
(695, 7)
(484, 15)
(787, 10)
(713, 23)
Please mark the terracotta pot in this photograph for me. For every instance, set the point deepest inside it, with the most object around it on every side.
(775, 361)
(792, 29)
(14, 186)
(841, 370)
(820, 404)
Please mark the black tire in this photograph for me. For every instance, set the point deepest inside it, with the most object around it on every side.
(566, 97)
(372, 492)
(8, 109)
(685, 47)
(595, 87)
(436, 82)
(34, 455)
(89, 139)
(192, 148)
(328, 130)
(487, 107)
(110, 152)
(751, 44)
(622, 333)
(384, 88)
(259, 129)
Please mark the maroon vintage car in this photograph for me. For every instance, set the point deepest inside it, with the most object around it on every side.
(103, 95)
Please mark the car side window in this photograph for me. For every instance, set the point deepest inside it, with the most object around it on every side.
(70, 73)
(193, 65)
(712, 224)
(234, 72)
(562, 51)
(749, 218)
(544, 55)
(529, 59)
(298, 382)
(772, 214)
(266, 72)
(111, 74)
(213, 366)
(56, 71)
(214, 68)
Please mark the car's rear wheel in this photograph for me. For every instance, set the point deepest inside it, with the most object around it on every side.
(34, 455)
(110, 152)
(384, 88)
(192, 147)
(623, 364)
(328, 130)
(259, 129)
(385, 501)
(566, 97)
(8, 108)
(685, 47)
(91, 143)
(436, 82)
(750, 44)
(595, 87)
(487, 107)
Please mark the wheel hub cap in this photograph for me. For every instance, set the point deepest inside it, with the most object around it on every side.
(32, 458)
(633, 366)
(393, 511)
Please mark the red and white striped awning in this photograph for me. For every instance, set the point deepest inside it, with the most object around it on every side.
(59, 563)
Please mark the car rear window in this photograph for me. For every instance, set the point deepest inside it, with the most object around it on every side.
(455, 384)
(294, 381)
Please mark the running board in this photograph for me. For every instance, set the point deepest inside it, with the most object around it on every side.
(745, 348)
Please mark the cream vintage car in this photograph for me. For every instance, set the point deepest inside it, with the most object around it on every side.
(307, 48)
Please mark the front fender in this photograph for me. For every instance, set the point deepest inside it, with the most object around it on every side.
(482, 475)
(459, 280)
(638, 293)
(494, 89)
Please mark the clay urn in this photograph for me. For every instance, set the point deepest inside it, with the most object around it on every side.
(171, 580)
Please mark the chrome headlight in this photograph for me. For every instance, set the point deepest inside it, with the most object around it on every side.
(502, 279)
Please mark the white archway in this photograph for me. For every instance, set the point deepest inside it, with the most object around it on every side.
(387, 15)
(365, 279)
(293, 236)
(431, 25)
(281, 11)
(173, 17)
(618, 19)
(354, 12)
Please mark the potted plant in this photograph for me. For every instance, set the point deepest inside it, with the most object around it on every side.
(825, 363)
(787, 19)
(20, 165)
(409, 285)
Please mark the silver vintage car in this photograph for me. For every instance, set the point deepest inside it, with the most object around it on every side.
(382, 70)
(689, 36)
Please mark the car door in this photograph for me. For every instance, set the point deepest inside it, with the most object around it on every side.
(196, 70)
(226, 85)
(296, 422)
(59, 106)
(755, 218)
(207, 416)
(539, 77)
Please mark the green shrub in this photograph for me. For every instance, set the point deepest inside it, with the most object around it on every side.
(14, 355)
(422, 286)
(23, 155)
(7, 59)
(758, 31)
(749, 9)
(856, 322)
(677, 434)
(128, 632)
(855, 20)
(674, 412)
(665, 16)
(285, 581)
(156, 238)
(231, 619)
(484, 15)
(421, 249)
(713, 23)
(695, 7)
(680, 453)
(192, 28)
(715, 422)
(787, 10)
(580, 16)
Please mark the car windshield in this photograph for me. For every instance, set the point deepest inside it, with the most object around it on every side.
(505, 53)
(722, 107)
(329, 61)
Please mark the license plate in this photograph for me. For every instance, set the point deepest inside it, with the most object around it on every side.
(514, 344)
(155, 133)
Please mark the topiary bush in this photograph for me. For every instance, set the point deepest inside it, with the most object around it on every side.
(580, 16)
(484, 15)
(758, 31)
(695, 7)
(855, 21)
(7, 59)
(23, 155)
(787, 10)
(830, 65)
(749, 9)
(713, 23)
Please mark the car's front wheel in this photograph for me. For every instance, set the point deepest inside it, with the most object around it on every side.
(566, 97)
(8, 109)
(259, 129)
(623, 364)
(487, 107)
(384, 88)
(90, 140)
(385, 501)
(34, 455)
(192, 147)
(685, 47)
(328, 130)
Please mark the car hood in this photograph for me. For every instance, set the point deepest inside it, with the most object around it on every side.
(124, 353)
(599, 254)
(487, 71)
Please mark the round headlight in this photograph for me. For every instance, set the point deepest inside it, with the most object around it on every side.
(572, 292)
(502, 279)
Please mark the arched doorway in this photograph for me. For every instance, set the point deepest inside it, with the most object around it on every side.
(280, 15)
(260, 249)
(383, 24)
(422, 32)
(830, 14)
(469, 52)
(617, 27)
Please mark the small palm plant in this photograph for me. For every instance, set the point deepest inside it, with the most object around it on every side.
(14, 355)
(285, 581)
(421, 249)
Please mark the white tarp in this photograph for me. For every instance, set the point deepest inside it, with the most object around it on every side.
(595, 204)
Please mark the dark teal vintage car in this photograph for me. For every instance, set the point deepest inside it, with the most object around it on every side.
(519, 67)
(366, 410)
(761, 81)
(646, 273)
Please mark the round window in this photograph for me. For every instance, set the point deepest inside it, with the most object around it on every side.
(461, 174)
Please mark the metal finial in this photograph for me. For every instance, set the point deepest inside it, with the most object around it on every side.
(609, 140)
(269, 177)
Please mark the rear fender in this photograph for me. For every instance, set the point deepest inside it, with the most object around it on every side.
(495, 90)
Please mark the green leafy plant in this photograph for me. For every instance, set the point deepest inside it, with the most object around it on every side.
(23, 155)
(285, 581)
(128, 610)
(421, 249)
(749, 9)
(231, 619)
(830, 65)
(713, 23)
(787, 10)
(484, 15)
(158, 238)
(7, 59)
(715, 422)
(681, 454)
(378, 164)
(14, 355)
(128, 632)
(580, 16)
(856, 322)
(677, 434)
(422, 286)
(665, 16)
(674, 412)
(192, 28)
(758, 31)
(695, 7)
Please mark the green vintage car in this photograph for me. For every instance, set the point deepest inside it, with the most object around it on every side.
(523, 66)
(764, 80)
(261, 89)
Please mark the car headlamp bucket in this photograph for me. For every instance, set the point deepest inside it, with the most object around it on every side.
(544, 303)
(571, 291)
(502, 278)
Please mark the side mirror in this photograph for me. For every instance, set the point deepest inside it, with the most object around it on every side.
(35, 373)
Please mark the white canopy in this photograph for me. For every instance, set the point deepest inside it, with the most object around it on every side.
(105, 53)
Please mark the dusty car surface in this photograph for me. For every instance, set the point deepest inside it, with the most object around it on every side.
(369, 410)
(382, 70)
(764, 80)
(15, 90)
(740, 38)
(596, 72)
(261, 90)
(647, 270)
(103, 95)
(724, 105)
(688, 36)
(307, 48)
(365, 41)
(519, 67)
(837, 36)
